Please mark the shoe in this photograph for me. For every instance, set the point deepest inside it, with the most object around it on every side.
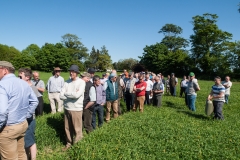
(65, 148)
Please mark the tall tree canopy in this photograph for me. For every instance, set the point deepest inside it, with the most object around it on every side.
(209, 43)
(75, 47)
(171, 38)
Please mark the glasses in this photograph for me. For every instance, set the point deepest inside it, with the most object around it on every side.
(57, 71)
(20, 77)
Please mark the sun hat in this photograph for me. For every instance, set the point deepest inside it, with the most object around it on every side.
(74, 68)
(6, 64)
(91, 70)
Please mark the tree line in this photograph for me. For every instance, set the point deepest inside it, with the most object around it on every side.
(209, 51)
(69, 51)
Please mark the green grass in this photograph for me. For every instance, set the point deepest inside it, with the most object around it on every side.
(169, 132)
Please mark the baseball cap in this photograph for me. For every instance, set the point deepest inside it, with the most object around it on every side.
(191, 74)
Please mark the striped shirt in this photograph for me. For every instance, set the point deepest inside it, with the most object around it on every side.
(216, 90)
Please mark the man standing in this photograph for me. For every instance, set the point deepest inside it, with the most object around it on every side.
(192, 89)
(54, 86)
(140, 89)
(100, 102)
(183, 86)
(111, 87)
(72, 95)
(158, 89)
(148, 91)
(88, 102)
(41, 88)
(217, 95)
(129, 92)
(173, 84)
(121, 87)
(18, 102)
(29, 139)
(91, 71)
(168, 84)
(227, 84)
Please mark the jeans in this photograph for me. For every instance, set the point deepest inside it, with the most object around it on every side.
(173, 90)
(226, 98)
(218, 107)
(98, 110)
(191, 102)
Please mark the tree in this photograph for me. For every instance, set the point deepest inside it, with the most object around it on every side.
(125, 64)
(209, 43)
(53, 55)
(8, 53)
(75, 47)
(171, 38)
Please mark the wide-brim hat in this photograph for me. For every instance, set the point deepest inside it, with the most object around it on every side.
(6, 64)
(57, 69)
(74, 68)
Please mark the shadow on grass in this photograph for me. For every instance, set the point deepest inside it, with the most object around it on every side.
(194, 115)
(172, 105)
(57, 123)
(47, 108)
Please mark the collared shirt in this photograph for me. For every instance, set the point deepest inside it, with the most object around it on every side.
(149, 85)
(55, 84)
(101, 94)
(184, 83)
(17, 100)
(40, 84)
(227, 89)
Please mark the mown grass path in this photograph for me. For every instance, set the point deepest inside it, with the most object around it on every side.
(169, 132)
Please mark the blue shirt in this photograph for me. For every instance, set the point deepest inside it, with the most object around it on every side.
(17, 100)
(55, 84)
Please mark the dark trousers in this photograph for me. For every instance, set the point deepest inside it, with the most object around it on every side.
(147, 100)
(218, 106)
(157, 100)
(87, 120)
(98, 110)
(39, 109)
(130, 99)
(182, 90)
(173, 90)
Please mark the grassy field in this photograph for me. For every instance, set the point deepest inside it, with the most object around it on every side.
(169, 132)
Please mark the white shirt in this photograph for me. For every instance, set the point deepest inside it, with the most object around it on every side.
(149, 85)
(227, 89)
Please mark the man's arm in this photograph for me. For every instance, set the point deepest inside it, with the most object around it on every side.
(78, 93)
(63, 90)
(122, 83)
(92, 95)
(42, 86)
(210, 95)
(33, 102)
(3, 108)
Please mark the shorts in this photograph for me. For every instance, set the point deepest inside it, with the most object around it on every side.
(29, 137)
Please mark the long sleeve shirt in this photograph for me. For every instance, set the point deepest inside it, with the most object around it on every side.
(72, 94)
(55, 84)
(17, 99)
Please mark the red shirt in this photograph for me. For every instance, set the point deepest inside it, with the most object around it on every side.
(139, 85)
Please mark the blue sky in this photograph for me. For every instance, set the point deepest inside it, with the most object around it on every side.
(125, 27)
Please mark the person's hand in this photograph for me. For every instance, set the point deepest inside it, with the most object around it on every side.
(210, 97)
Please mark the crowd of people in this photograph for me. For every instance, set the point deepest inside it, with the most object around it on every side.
(82, 99)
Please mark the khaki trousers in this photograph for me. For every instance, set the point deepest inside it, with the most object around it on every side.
(12, 142)
(53, 98)
(114, 106)
(139, 101)
(73, 126)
